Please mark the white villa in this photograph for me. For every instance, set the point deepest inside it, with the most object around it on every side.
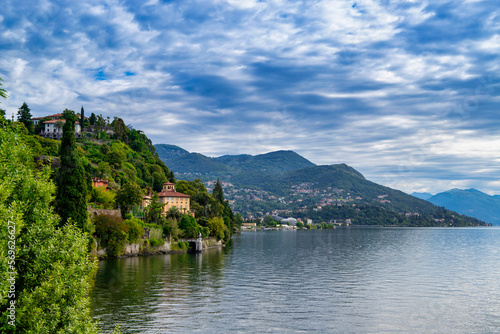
(53, 128)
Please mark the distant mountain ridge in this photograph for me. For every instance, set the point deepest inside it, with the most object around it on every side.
(470, 202)
(195, 165)
(285, 182)
(424, 196)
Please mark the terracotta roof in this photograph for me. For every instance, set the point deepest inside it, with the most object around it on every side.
(172, 194)
(57, 120)
(169, 183)
(55, 115)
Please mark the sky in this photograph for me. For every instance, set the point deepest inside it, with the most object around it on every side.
(406, 92)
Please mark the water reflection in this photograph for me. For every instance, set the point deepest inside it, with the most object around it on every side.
(134, 292)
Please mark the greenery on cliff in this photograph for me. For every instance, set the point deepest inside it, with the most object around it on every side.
(45, 268)
(126, 158)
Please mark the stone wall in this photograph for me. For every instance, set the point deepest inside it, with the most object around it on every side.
(96, 212)
(137, 249)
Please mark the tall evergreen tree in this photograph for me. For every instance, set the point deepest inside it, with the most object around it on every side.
(24, 116)
(82, 117)
(71, 199)
(218, 192)
(92, 119)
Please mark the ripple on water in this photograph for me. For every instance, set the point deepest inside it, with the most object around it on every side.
(343, 280)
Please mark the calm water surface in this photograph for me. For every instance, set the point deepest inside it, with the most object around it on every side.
(349, 280)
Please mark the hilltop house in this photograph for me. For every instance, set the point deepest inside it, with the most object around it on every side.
(170, 198)
(53, 127)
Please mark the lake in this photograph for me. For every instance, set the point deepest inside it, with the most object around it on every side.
(347, 280)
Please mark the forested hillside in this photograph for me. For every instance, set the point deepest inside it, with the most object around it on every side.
(287, 184)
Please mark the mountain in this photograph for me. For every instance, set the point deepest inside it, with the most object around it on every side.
(273, 162)
(424, 196)
(191, 166)
(285, 183)
(470, 202)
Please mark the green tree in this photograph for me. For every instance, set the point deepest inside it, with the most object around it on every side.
(217, 227)
(174, 213)
(59, 125)
(154, 212)
(238, 221)
(82, 117)
(92, 119)
(189, 227)
(103, 197)
(218, 193)
(103, 168)
(24, 116)
(120, 130)
(171, 229)
(127, 196)
(115, 158)
(71, 199)
(269, 221)
(52, 265)
(112, 233)
(134, 229)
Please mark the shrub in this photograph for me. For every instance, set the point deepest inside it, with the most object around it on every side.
(179, 246)
(217, 227)
(189, 227)
(134, 229)
(103, 197)
(156, 242)
(112, 232)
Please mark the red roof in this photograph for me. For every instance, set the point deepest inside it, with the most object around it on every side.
(57, 120)
(172, 194)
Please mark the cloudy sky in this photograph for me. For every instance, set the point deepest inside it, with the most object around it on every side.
(405, 91)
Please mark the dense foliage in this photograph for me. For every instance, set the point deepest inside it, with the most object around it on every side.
(120, 154)
(51, 264)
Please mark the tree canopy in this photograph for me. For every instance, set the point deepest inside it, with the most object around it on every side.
(129, 195)
(51, 265)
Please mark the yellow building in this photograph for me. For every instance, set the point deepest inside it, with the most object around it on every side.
(171, 198)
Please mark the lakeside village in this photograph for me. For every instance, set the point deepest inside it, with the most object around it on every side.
(153, 212)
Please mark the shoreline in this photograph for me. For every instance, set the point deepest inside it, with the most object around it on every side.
(135, 249)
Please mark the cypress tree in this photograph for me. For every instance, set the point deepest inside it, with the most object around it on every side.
(92, 119)
(82, 118)
(71, 199)
(218, 192)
